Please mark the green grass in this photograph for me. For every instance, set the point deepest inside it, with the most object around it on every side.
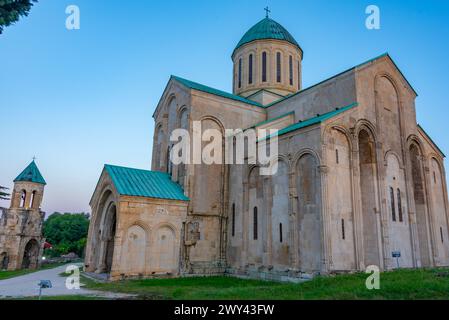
(60, 298)
(16, 273)
(396, 285)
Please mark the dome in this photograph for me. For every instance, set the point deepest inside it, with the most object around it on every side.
(267, 29)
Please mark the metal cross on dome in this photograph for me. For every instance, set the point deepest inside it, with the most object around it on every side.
(267, 9)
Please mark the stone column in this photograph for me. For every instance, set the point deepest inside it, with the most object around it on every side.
(293, 213)
(325, 221)
(268, 196)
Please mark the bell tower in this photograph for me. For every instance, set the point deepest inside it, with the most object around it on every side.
(28, 189)
(21, 240)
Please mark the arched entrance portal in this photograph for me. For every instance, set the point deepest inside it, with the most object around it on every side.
(30, 255)
(4, 261)
(108, 237)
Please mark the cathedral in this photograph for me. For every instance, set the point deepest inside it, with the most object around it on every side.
(359, 182)
(21, 240)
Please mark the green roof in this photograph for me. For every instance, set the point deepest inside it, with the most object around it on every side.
(203, 88)
(144, 183)
(312, 121)
(31, 174)
(267, 29)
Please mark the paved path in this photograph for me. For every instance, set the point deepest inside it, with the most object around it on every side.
(26, 286)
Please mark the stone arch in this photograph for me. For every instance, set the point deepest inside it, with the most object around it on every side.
(30, 256)
(210, 178)
(368, 195)
(280, 214)
(388, 109)
(338, 148)
(164, 249)
(419, 196)
(134, 250)
(396, 156)
(182, 123)
(256, 217)
(102, 232)
(397, 210)
(439, 211)
(159, 140)
(309, 217)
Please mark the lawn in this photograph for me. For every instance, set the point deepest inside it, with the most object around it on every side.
(396, 285)
(12, 274)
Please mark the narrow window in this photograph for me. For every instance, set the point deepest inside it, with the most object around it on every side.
(22, 199)
(393, 207)
(250, 69)
(255, 234)
(343, 234)
(290, 69)
(434, 177)
(441, 234)
(280, 233)
(299, 76)
(264, 67)
(278, 67)
(233, 219)
(336, 156)
(33, 195)
(240, 73)
(401, 219)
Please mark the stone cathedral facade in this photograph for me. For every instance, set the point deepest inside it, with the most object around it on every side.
(358, 178)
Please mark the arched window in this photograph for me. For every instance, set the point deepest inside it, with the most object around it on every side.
(23, 198)
(299, 75)
(264, 67)
(393, 207)
(250, 69)
(401, 218)
(33, 198)
(278, 67)
(240, 73)
(255, 223)
(233, 219)
(290, 69)
(169, 163)
(337, 160)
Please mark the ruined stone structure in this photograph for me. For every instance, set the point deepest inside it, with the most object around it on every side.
(21, 240)
(358, 179)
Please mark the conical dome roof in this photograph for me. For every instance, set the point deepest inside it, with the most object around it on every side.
(31, 174)
(267, 29)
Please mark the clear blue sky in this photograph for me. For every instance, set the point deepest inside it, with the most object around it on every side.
(79, 99)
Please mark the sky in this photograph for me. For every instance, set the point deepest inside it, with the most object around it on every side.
(77, 99)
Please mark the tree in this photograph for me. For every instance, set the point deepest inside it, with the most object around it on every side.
(12, 10)
(66, 233)
(3, 195)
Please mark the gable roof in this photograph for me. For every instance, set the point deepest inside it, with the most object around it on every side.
(312, 121)
(31, 174)
(216, 92)
(144, 183)
(341, 73)
(431, 140)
